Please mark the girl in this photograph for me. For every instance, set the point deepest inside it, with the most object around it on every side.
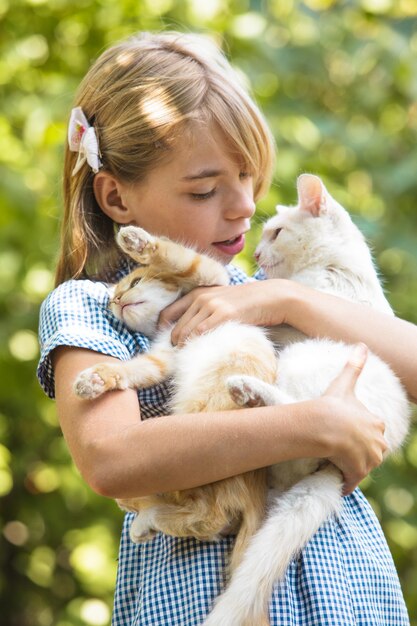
(170, 141)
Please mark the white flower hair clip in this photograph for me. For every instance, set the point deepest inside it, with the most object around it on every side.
(82, 138)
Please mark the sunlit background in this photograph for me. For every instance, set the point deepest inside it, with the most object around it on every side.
(337, 81)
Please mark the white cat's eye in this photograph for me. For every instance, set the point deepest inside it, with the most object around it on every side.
(276, 233)
(134, 282)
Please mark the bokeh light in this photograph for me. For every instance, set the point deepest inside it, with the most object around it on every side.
(337, 82)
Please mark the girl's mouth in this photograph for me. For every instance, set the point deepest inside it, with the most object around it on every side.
(231, 246)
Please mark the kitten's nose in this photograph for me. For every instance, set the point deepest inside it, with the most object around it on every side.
(257, 255)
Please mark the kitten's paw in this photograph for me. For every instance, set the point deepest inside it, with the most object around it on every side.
(243, 391)
(94, 381)
(140, 531)
(88, 385)
(137, 242)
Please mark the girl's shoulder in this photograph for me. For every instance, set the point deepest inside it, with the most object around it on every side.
(76, 298)
(79, 305)
(76, 314)
(84, 297)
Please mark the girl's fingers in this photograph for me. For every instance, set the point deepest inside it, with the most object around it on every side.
(197, 312)
(363, 446)
(188, 306)
(186, 327)
(345, 382)
(175, 311)
(349, 485)
(358, 356)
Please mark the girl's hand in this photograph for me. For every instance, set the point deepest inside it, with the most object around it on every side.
(356, 435)
(261, 303)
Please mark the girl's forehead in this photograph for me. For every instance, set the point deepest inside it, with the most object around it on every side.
(202, 147)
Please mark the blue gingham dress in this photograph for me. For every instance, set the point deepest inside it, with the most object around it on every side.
(344, 576)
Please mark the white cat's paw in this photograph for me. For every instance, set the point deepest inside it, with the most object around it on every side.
(94, 381)
(135, 240)
(243, 391)
(140, 531)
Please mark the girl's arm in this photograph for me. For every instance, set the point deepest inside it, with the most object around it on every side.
(121, 456)
(271, 302)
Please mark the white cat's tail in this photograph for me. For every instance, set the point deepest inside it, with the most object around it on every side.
(294, 518)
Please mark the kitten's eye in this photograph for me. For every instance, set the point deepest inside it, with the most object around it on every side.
(134, 282)
(276, 233)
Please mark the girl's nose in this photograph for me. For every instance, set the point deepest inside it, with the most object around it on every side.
(241, 205)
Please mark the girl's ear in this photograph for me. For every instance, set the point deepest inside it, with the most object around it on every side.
(311, 195)
(108, 192)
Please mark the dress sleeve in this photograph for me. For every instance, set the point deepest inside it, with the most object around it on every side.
(259, 275)
(236, 275)
(76, 314)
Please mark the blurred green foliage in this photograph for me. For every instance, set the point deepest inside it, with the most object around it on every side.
(337, 81)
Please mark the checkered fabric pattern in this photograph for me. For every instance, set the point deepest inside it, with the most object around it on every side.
(345, 576)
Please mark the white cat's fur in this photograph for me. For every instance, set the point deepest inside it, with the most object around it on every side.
(317, 244)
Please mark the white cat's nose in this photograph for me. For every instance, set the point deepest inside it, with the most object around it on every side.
(257, 255)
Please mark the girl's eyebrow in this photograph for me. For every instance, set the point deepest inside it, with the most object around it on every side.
(204, 174)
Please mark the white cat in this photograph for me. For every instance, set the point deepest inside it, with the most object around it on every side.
(317, 244)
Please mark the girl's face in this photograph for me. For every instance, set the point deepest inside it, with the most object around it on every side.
(202, 196)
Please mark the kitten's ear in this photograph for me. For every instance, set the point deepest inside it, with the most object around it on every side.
(311, 194)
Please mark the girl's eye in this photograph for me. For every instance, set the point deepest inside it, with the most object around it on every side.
(204, 196)
(134, 282)
(276, 233)
(245, 175)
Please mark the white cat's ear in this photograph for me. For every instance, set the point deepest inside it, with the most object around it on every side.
(311, 195)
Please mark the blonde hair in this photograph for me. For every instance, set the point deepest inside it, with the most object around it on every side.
(139, 95)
